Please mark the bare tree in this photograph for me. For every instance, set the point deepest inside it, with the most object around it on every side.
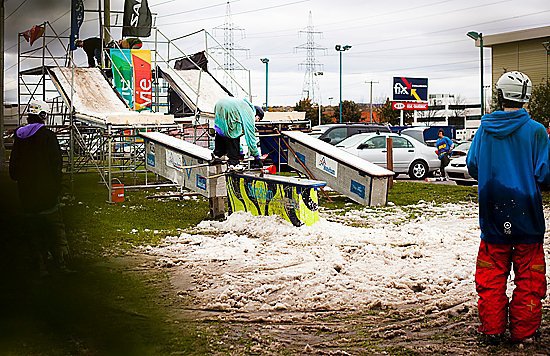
(459, 101)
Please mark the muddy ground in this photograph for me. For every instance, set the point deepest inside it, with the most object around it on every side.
(398, 330)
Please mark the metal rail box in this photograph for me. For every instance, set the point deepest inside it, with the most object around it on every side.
(183, 163)
(359, 180)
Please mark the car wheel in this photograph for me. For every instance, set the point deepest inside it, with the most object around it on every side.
(418, 170)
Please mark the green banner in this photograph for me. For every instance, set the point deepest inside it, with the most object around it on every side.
(123, 74)
(294, 203)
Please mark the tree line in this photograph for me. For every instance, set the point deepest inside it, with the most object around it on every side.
(539, 108)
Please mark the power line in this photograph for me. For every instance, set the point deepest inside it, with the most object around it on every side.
(51, 23)
(14, 11)
(416, 18)
(350, 20)
(454, 28)
(238, 13)
(193, 10)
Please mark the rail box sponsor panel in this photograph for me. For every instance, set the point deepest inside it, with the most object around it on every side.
(293, 199)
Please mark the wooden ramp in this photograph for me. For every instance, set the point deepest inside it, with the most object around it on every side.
(96, 101)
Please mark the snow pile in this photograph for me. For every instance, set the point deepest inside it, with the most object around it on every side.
(422, 254)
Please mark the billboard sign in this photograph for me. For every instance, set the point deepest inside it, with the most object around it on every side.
(410, 89)
(409, 105)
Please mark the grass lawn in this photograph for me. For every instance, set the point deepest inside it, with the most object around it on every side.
(408, 193)
(112, 304)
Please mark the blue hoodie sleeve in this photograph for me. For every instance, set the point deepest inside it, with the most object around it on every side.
(542, 168)
(472, 158)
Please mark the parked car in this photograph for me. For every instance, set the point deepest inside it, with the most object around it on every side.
(335, 133)
(457, 170)
(428, 134)
(409, 155)
(418, 134)
(461, 149)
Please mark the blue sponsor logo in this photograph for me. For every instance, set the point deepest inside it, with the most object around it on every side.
(326, 168)
(300, 157)
(259, 193)
(151, 159)
(201, 182)
(358, 189)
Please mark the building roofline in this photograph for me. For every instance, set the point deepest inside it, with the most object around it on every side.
(515, 36)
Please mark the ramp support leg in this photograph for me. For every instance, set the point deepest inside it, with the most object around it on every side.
(216, 202)
(217, 207)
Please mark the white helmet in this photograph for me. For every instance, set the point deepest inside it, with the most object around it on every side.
(515, 86)
(39, 107)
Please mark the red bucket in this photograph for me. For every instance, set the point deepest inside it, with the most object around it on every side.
(117, 193)
(272, 169)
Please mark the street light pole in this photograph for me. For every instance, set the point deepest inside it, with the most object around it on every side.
(266, 62)
(2, 147)
(341, 49)
(319, 99)
(370, 104)
(546, 46)
(479, 36)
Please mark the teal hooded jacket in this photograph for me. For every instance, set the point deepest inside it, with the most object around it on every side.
(509, 158)
(234, 118)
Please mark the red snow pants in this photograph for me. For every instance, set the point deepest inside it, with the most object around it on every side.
(524, 311)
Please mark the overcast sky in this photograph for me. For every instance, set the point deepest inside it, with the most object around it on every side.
(423, 38)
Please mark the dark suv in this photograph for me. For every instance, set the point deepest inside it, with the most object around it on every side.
(335, 133)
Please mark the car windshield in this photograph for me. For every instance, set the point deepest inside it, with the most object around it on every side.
(352, 141)
(464, 147)
(319, 129)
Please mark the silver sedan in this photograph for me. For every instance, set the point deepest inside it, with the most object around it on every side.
(409, 155)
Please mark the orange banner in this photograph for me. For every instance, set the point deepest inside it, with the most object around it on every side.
(141, 61)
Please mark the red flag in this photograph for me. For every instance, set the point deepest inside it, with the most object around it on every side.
(34, 33)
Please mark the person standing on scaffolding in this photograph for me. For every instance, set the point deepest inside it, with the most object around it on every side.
(130, 43)
(235, 118)
(93, 47)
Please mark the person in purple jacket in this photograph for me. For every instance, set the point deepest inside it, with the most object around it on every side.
(36, 164)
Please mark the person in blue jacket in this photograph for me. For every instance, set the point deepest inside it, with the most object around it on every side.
(509, 158)
(235, 118)
(444, 147)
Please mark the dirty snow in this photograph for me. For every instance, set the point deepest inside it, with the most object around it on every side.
(372, 257)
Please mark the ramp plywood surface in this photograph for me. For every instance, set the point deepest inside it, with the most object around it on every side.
(193, 83)
(94, 97)
(179, 145)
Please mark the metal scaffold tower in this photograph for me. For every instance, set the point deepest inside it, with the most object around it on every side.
(311, 85)
(103, 135)
(229, 48)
